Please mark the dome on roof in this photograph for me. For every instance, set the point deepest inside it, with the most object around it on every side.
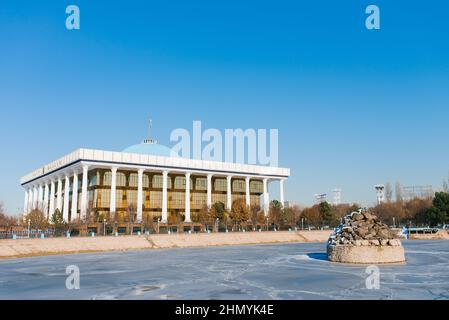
(152, 149)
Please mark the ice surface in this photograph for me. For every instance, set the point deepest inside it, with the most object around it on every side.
(281, 271)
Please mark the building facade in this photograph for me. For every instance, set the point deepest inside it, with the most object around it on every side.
(148, 179)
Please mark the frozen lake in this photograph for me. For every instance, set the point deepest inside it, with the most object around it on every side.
(284, 271)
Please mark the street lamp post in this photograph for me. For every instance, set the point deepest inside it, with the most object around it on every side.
(104, 227)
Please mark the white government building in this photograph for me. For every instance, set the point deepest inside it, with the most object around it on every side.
(148, 177)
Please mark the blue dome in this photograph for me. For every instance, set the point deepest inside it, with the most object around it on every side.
(152, 149)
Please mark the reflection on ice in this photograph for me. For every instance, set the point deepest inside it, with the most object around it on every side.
(318, 256)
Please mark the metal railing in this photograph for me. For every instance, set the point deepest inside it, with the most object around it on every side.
(25, 234)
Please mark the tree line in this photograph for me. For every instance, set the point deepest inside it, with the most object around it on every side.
(416, 212)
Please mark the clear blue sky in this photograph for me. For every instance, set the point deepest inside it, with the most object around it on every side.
(353, 107)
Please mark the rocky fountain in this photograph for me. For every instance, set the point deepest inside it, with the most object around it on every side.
(364, 239)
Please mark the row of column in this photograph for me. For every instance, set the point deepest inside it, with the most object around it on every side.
(187, 194)
(209, 194)
(38, 196)
(48, 196)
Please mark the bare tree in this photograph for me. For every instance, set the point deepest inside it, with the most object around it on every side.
(148, 221)
(292, 215)
(398, 192)
(239, 213)
(37, 219)
(446, 184)
(312, 215)
(254, 211)
(5, 220)
(131, 216)
(388, 192)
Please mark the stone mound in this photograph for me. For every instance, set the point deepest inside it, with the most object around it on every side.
(363, 238)
(363, 228)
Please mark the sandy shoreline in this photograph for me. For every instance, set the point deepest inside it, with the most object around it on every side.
(20, 248)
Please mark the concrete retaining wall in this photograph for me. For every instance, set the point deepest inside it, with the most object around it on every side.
(365, 254)
(440, 235)
(35, 247)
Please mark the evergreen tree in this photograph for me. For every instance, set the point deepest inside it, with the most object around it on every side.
(218, 211)
(58, 222)
(327, 213)
(439, 212)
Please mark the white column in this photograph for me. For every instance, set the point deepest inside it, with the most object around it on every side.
(209, 190)
(266, 200)
(25, 202)
(247, 194)
(35, 197)
(229, 192)
(65, 210)
(113, 202)
(74, 210)
(52, 199)
(164, 196)
(45, 206)
(139, 195)
(40, 196)
(59, 195)
(83, 211)
(187, 200)
(30, 200)
(281, 191)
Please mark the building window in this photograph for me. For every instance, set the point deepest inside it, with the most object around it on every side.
(218, 197)
(180, 183)
(220, 184)
(146, 181)
(121, 179)
(200, 184)
(92, 180)
(104, 197)
(133, 180)
(238, 186)
(256, 186)
(131, 197)
(120, 199)
(177, 200)
(107, 178)
(156, 199)
(146, 199)
(157, 182)
(199, 200)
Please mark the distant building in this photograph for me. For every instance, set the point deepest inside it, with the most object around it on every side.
(420, 192)
(380, 193)
(320, 197)
(337, 196)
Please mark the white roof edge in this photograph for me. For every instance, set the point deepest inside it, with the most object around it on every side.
(148, 160)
